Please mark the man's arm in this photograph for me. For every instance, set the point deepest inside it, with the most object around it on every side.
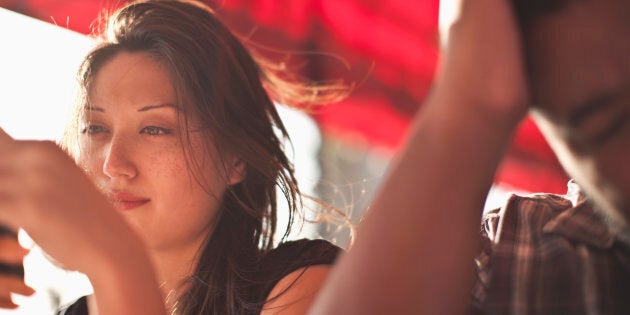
(414, 251)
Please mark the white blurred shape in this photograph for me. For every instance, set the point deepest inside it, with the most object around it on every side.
(302, 151)
(448, 13)
(38, 63)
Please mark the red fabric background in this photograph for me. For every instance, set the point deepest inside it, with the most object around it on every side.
(388, 48)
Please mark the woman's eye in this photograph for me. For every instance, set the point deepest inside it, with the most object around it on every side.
(155, 131)
(93, 129)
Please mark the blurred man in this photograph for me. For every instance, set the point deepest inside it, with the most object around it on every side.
(570, 254)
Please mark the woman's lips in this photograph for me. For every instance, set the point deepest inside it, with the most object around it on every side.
(126, 201)
(127, 205)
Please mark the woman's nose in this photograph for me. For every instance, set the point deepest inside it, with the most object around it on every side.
(119, 160)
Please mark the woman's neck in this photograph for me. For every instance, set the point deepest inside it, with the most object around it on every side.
(174, 268)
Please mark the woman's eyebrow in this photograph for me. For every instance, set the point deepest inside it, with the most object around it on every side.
(158, 106)
(94, 108)
(141, 109)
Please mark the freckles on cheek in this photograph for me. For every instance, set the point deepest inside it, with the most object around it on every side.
(171, 167)
(176, 167)
(164, 166)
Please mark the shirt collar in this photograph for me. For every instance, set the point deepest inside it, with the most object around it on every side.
(581, 223)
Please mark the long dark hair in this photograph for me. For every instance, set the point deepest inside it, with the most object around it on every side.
(219, 83)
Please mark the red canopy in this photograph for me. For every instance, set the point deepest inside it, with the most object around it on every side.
(388, 48)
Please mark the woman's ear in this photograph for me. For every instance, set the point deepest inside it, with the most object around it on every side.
(237, 171)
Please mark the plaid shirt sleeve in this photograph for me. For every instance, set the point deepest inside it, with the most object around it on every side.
(543, 255)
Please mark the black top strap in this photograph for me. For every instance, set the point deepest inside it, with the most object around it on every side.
(273, 266)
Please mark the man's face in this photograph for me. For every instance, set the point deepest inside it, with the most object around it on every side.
(579, 63)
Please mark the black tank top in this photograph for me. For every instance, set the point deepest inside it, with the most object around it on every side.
(277, 263)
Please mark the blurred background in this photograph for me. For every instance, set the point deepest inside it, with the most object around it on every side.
(387, 50)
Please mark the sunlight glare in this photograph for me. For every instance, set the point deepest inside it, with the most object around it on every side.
(38, 62)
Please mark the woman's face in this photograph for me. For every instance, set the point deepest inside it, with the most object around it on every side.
(131, 147)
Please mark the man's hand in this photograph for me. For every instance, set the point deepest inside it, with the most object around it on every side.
(482, 64)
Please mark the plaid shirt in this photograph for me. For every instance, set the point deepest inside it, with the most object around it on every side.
(551, 254)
